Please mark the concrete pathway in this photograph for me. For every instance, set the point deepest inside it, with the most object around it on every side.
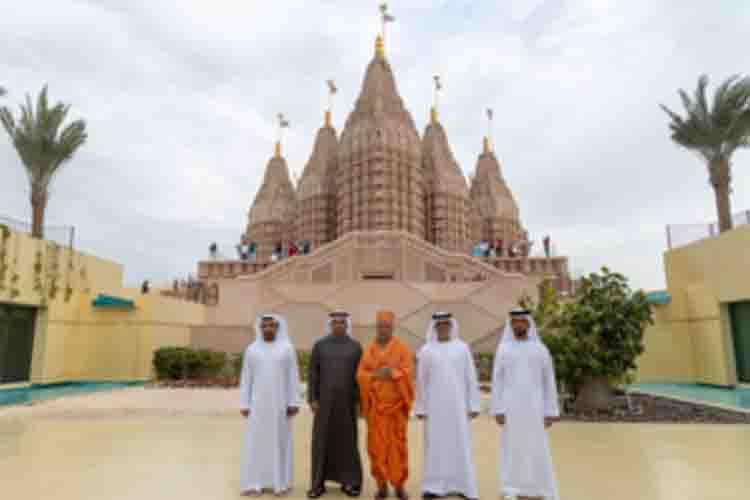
(152, 444)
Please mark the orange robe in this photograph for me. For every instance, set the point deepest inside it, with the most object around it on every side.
(386, 405)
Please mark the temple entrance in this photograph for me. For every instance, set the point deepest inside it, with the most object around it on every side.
(740, 321)
(16, 343)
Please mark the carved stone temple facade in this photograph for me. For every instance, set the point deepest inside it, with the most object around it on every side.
(391, 221)
(379, 175)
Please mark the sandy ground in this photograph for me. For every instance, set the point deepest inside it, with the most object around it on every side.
(148, 443)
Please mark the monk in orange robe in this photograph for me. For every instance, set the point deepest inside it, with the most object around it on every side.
(387, 393)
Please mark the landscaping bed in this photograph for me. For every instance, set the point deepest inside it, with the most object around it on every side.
(647, 408)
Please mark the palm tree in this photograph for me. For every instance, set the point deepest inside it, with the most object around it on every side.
(43, 146)
(716, 133)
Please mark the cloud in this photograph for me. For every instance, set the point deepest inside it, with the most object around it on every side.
(181, 97)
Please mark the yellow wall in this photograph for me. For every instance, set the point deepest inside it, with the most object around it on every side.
(74, 341)
(668, 355)
(702, 279)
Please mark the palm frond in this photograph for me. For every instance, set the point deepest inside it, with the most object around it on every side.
(39, 138)
(714, 131)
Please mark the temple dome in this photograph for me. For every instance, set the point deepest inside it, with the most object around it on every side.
(276, 198)
(379, 117)
(319, 175)
(379, 181)
(490, 192)
(440, 164)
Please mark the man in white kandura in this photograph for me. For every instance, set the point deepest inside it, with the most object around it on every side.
(524, 403)
(447, 401)
(269, 398)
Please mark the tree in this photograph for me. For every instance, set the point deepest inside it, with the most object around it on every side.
(715, 132)
(44, 146)
(596, 338)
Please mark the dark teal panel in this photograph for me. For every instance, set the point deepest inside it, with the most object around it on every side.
(16, 343)
(740, 320)
(108, 301)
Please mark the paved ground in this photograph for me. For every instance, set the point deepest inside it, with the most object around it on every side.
(152, 444)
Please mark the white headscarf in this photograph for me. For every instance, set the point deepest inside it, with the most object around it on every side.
(509, 339)
(329, 326)
(282, 334)
(431, 336)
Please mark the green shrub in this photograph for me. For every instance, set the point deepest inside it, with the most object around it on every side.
(483, 362)
(236, 362)
(303, 360)
(169, 362)
(599, 333)
(209, 363)
(175, 363)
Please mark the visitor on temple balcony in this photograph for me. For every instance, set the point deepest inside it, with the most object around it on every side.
(292, 249)
(499, 248)
(547, 243)
(213, 250)
(252, 251)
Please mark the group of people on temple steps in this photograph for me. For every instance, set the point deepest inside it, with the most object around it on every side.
(378, 384)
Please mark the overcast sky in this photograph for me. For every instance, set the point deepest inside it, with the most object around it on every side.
(181, 97)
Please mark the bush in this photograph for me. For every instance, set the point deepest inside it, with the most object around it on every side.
(599, 334)
(483, 362)
(169, 363)
(176, 363)
(303, 359)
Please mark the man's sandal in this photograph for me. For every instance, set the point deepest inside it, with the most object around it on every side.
(351, 491)
(382, 494)
(316, 492)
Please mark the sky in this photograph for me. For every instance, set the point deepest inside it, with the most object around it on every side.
(181, 98)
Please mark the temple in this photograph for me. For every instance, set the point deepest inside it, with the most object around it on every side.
(379, 203)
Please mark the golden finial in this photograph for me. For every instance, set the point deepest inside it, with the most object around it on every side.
(283, 123)
(436, 98)
(487, 145)
(379, 47)
(332, 90)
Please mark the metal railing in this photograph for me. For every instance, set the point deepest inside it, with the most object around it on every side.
(62, 235)
(679, 235)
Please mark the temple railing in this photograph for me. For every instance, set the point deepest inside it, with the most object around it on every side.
(679, 235)
(554, 269)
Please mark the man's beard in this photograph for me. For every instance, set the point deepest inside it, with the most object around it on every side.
(520, 334)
